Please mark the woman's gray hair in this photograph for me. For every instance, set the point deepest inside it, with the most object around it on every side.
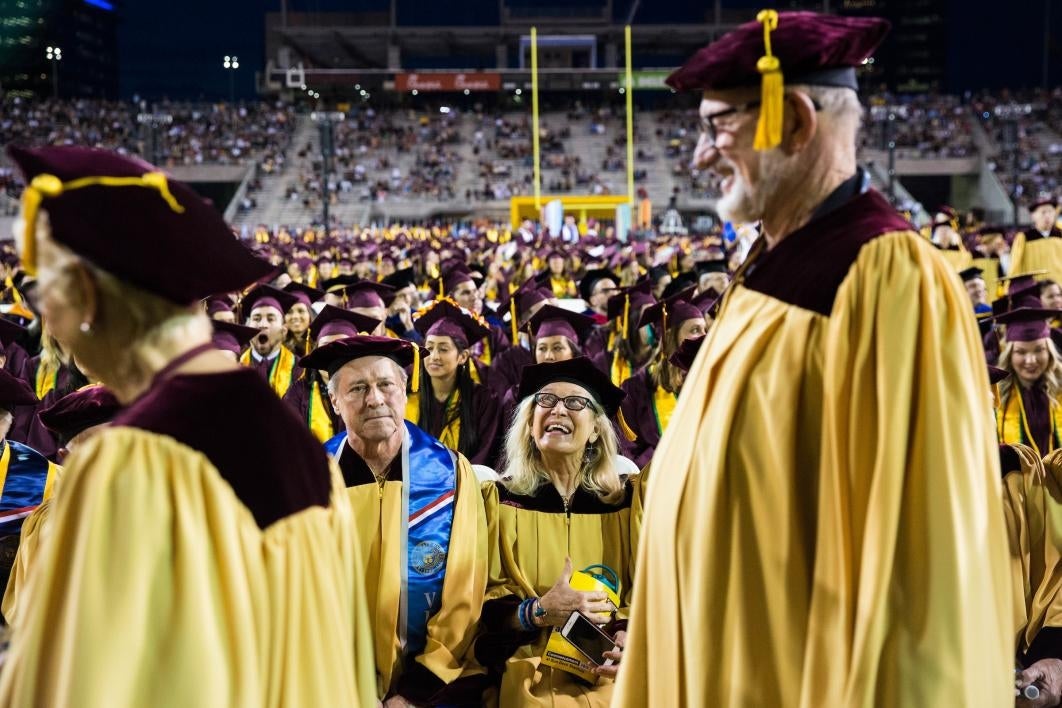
(525, 474)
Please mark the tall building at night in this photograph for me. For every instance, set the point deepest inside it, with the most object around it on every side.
(82, 35)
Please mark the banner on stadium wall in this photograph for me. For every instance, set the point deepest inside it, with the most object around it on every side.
(643, 80)
(444, 81)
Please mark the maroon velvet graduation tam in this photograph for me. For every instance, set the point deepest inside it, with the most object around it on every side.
(686, 353)
(591, 278)
(128, 218)
(815, 49)
(445, 318)
(15, 392)
(579, 371)
(232, 337)
(267, 296)
(367, 293)
(80, 410)
(304, 294)
(335, 320)
(331, 357)
(553, 321)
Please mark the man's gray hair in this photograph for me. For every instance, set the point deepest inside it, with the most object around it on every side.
(399, 372)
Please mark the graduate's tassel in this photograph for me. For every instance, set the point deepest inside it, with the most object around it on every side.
(512, 320)
(663, 321)
(769, 127)
(624, 428)
(414, 385)
(625, 322)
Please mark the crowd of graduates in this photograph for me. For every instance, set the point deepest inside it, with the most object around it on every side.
(429, 466)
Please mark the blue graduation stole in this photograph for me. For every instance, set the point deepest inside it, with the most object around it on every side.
(24, 473)
(428, 497)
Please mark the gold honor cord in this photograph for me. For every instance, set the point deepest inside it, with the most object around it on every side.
(49, 186)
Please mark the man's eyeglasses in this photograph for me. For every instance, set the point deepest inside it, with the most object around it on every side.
(709, 122)
(572, 403)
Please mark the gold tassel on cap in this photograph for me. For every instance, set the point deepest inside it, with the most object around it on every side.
(414, 384)
(50, 186)
(769, 127)
(625, 322)
(512, 320)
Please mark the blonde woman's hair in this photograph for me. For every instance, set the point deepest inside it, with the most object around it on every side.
(136, 328)
(1052, 377)
(524, 473)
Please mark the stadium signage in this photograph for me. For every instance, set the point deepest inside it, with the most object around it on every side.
(444, 81)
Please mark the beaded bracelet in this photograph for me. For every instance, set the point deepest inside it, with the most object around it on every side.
(523, 614)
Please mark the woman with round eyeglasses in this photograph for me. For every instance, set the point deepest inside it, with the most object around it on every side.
(560, 506)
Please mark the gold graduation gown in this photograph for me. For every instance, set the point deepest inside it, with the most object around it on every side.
(1032, 504)
(1032, 254)
(29, 542)
(531, 537)
(156, 587)
(825, 527)
(378, 514)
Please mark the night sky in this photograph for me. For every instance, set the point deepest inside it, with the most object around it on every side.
(176, 49)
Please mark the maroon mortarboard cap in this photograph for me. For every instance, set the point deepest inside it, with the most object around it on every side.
(1027, 324)
(713, 266)
(267, 296)
(15, 392)
(217, 304)
(335, 320)
(704, 301)
(686, 353)
(579, 371)
(232, 337)
(304, 264)
(553, 321)
(11, 332)
(1042, 200)
(304, 293)
(671, 312)
(366, 293)
(401, 278)
(971, 273)
(1026, 297)
(947, 211)
(452, 279)
(811, 48)
(637, 295)
(683, 283)
(337, 284)
(331, 357)
(996, 374)
(325, 257)
(591, 278)
(80, 410)
(128, 218)
(555, 253)
(444, 318)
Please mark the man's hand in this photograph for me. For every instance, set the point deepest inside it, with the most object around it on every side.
(615, 654)
(561, 601)
(1047, 675)
(397, 701)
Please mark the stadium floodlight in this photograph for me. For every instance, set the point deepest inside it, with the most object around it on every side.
(467, 92)
(519, 91)
(54, 55)
(444, 109)
(414, 92)
(231, 63)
